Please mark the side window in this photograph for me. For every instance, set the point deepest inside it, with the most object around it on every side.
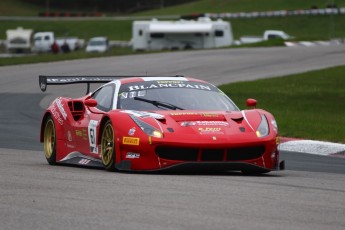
(157, 35)
(46, 37)
(272, 36)
(219, 33)
(38, 38)
(104, 97)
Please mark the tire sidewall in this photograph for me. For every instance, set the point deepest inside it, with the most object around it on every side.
(52, 159)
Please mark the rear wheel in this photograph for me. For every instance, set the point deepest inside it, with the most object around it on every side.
(108, 147)
(49, 141)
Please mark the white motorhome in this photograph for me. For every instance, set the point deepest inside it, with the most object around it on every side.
(182, 34)
(19, 40)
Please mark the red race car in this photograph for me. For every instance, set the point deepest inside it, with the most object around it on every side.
(157, 123)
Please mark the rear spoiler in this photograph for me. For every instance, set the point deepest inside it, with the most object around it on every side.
(45, 80)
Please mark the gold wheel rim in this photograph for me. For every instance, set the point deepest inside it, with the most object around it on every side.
(107, 144)
(49, 139)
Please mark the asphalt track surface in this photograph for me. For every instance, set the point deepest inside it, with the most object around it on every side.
(33, 195)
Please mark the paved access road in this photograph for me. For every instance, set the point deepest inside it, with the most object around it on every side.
(33, 195)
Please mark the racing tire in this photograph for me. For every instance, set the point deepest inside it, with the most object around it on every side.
(108, 147)
(49, 141)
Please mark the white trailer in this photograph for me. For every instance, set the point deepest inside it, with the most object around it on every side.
(183, 34)
(19, 40)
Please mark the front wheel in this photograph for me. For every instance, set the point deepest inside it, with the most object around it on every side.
(49, 141)
(108, 147)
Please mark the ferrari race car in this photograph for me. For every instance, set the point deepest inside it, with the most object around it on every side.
(157, 123)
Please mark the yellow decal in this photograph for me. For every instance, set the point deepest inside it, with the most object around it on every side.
(78, 133)
(209, 115)
(130, 141)
(210, 129)
(180, 114)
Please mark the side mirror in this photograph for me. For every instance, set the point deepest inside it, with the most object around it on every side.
(90, 102)
(251, 102)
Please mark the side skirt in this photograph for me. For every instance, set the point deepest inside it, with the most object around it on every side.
(76, 158)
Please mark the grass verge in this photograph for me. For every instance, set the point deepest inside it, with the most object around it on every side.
(309, 105)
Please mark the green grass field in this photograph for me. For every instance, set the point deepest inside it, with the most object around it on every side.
(309, 105)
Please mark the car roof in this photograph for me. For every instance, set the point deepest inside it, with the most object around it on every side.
(143, 79)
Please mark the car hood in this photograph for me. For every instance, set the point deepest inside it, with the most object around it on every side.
(204, 124)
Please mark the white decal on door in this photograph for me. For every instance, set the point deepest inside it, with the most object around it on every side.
(92, 130)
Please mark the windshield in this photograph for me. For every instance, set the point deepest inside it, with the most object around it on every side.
(97, 43)
(156, 95)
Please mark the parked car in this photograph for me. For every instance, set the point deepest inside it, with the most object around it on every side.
(268, 35)
(98, 45)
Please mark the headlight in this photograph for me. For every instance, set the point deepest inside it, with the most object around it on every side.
(263, 129)
(146, 128)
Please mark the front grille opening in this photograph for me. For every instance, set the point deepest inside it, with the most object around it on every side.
(212, 155)
(178, 154)
(192, 154)
(244, 153)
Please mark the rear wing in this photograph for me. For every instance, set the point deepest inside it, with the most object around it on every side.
(45, 80)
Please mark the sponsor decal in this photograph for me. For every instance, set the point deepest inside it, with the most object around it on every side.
(79, 133)
(204, 123)
(69, 135)
(130, 141)
(210, 130)
(92, 131)
(84, 161)
(181, 114)
(61, 79)
(131, 155)
(131, 132)
(170, 82)
(158, 85)
(56, 114)
(209, 115)
(125, 95)
(61, 108)
(70, 146)
(82, 133)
